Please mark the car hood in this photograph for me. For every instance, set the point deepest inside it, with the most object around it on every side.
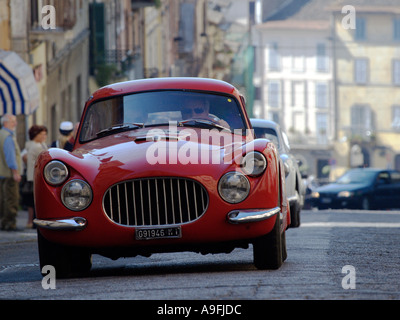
(152, 152)
(336, 187)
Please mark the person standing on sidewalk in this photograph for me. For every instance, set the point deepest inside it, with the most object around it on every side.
(36, 144)
(10, 173)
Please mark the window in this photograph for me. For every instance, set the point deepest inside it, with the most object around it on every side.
(78, 104)
(273, 94)
(396, 72)
(361, 71)
(274, 58)
(395, 176)
(186, 27)
(396, 29)
(360, 32)
(321, 95)
(257, 93)
(322, 128)
(298, 62)
(396, 117)
(274, 116)
(361, 120)
(35, 14)
(298, 121)
(298, 94)
(322, 59)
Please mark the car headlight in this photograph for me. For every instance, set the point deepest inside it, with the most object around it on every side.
(315, 194)
(254, 163)
(345, 194)
(76, 195)
(55, 172)
(233, 187)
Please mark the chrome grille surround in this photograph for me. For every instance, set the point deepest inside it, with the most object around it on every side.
(155, 201)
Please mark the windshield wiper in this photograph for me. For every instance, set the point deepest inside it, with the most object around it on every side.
(202, 123)
(119, 128)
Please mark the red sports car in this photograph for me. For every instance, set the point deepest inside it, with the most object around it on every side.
(161, 165)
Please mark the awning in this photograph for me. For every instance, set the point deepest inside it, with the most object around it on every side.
(19, 92)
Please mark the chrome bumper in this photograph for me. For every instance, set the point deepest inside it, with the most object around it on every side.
(245, 216)
(72, 224)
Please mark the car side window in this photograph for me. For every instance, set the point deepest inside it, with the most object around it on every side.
(383, 178)
(395, 177)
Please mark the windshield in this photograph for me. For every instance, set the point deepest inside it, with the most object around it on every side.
(356, 176)
(159, 108)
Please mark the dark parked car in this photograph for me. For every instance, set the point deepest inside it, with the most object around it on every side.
(363, 188)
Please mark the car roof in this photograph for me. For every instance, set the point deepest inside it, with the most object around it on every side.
(263, 123)
(173, 83)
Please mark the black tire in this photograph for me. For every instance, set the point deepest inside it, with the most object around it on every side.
(295, 215)
(269, 251)
(67, 261)
(284, 250)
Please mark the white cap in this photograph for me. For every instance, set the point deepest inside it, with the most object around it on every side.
(66, 127)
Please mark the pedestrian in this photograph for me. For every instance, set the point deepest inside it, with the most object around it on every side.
(69, 145)
(66, 132)
(37, 136)
(10, 173)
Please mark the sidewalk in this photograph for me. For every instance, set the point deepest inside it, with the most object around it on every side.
(19, 236)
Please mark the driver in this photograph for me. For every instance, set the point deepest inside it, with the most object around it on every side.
(199, 108)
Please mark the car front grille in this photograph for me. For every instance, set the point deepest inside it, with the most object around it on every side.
(155, 201)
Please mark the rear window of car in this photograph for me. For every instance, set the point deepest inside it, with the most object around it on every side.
(267, 133)
(158, 107)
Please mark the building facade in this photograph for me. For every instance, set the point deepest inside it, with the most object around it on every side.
(367, 58)
(52, 37)
(293, 80)
(329, 73)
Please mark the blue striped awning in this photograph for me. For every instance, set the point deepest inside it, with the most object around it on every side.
(19, 92)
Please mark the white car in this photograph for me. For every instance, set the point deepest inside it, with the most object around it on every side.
(294, 186)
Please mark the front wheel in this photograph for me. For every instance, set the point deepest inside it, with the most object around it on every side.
(269, 251)
(67, 261)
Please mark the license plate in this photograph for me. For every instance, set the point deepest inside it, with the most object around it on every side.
(326, 200)
(157, 233)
